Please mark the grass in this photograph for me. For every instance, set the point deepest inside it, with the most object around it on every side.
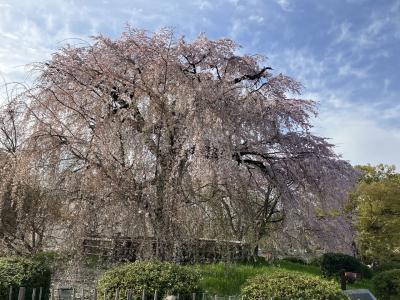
(227, 279)
(362, 284)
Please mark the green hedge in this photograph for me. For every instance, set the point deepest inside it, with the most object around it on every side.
(166, 278)
(18, 271)
(333, 263)
(386, 266)
(387, 285)
(291, 285)
(295, 259)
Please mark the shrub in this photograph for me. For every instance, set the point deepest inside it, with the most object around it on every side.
(295, 259)
(387, 284)
(333, 263)
(166, 278)
(291, 285)
(18, 271)
(386, 266)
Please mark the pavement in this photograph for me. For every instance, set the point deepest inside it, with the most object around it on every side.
(360, 294)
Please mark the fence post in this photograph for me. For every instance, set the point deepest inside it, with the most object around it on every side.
(194, 296)
(34, 294)
(155, 295)
(40, 293)
(129, 295)
(144, 294)
(10, 293)
(117, 294)
(21, 293)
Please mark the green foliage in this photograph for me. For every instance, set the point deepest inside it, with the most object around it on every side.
(386, 266)
(29, 273)
(226, 279)
(295, 259)
(291, 285)
(376, 207)
(166, 278)
(387, 284)
(370, 174)
(333, 263)
(291, 266)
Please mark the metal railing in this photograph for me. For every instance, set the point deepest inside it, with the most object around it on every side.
(23, 293)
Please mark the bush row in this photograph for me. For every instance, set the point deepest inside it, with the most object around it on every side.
(171, 279)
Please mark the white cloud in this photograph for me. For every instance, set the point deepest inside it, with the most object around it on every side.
(381, 27)
(256, 18)
(301, 65)
(347, 70)
(203, 4)
(237, 28)
(360, 131)
(284, 4)
(391, 113)
(344, 32)
(360, 137)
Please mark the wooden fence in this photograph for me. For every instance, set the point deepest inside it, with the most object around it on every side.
(190, 251)
(82, 294)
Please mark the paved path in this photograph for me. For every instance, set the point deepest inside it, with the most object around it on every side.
(360, 294)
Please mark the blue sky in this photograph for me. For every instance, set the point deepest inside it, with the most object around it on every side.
(345, 52)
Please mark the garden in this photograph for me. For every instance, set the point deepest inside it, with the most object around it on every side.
(288, 278)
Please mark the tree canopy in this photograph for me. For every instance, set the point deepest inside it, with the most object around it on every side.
(376, 205)
(154, 135)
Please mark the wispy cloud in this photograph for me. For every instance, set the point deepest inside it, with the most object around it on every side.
(203, 4)
(347, 70)
(378, 27)
(343, 32)
(256, 18)
(284, 4)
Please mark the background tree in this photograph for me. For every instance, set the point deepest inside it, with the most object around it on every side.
(150, 132)
(27, 205)
(376, 206)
